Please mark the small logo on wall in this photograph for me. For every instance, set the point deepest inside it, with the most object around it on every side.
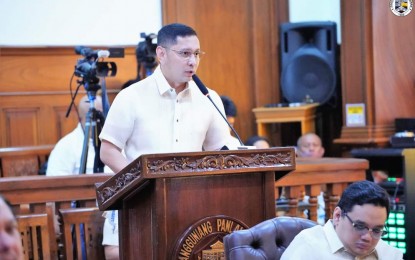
(401, 7)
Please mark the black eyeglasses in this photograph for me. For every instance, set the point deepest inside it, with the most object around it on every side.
(187, 54)
(362, 229)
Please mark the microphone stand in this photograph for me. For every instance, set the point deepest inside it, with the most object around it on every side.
(226, 120)
(205, 92)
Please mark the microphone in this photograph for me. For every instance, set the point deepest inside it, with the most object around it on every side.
(90, 53)
(205, 92)
(202, 87)
(103, 54)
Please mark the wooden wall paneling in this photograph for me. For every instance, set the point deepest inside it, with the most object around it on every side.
(394, 59)
(267, 79)
(33, 121)
(268, 15)
(353, 60)
(21, 126)
(225, 38)
(50, 69)
(375, 62)
(240, 39)
(355, 22)
(35, 92)
(229, 69)
(63, 125)
(37, 70)
(36, 119)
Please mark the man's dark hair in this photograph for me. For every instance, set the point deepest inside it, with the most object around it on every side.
(363, 192)
(167, 36)
(230, 108)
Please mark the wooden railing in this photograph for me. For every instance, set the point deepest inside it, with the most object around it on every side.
(29, 194)
(312, 176)
(39, 200)
(45, 198)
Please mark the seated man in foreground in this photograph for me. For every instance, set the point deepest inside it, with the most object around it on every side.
(354, 232)
(10, 240)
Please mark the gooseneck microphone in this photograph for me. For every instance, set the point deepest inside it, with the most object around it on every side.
(202, 87)
(205, 92)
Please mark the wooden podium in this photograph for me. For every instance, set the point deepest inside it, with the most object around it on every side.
(179, 206)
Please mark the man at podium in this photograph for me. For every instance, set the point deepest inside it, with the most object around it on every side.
(163, 113)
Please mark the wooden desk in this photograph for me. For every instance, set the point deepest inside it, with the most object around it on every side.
(304, 114)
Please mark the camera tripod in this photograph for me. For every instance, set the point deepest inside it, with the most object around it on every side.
(94, 121)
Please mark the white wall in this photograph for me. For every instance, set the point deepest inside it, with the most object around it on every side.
(316, 10)
(77, 22)
(110, 22)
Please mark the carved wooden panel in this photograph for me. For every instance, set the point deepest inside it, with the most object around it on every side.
(176, 165)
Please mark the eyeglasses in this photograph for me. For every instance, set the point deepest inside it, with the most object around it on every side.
(187, 54)
(362, 229)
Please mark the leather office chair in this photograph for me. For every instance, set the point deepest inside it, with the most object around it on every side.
(266, 240)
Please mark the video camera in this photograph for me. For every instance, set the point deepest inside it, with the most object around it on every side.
(146, 51)
(89, 68)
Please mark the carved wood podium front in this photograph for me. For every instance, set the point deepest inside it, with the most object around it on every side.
(179, 206)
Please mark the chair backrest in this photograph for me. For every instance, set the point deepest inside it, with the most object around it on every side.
(24, 160)
(35, 235)
(82, 228)
(266, 240)
(38, 233)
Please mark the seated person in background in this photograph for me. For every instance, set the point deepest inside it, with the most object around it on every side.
(354, 232)
(309, 145)
(230, 112)
(10, 240)
(65, 158)
(259, 142)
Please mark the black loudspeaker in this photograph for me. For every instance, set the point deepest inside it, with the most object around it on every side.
(308, 52)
